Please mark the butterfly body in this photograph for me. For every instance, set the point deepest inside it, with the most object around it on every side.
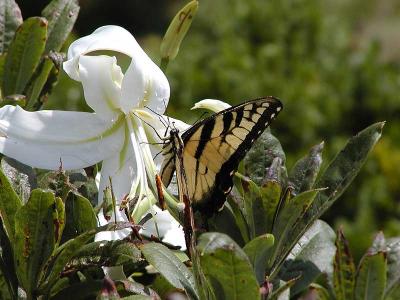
(208, 154)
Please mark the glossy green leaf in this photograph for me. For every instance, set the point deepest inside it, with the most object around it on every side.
(10, 203)
(344, 269)
(303, 174)
(24, 55)
(342, 170)
(311, 256)
(227, 267)
(63, 254)
(271, 192)
(173, 270)
(257, 251)
(371, 277)
(61, 15)
(111, 253)
(290, 215)
(42, 73)
(260, 156)
(34, 237)
(339, 174)
(80, 216)
(10, 19)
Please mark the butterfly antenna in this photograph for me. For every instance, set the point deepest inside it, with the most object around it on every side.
(160, 117)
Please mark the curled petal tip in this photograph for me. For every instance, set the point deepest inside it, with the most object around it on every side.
(211, 104)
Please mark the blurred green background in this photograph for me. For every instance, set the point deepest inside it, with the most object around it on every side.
(334, 63)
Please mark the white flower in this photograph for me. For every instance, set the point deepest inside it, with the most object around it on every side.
(127, 108)
(211, 104)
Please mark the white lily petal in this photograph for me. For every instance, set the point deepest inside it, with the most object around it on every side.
(144, 85)
(211, 104)
(42, 139)
(101, 80)
(113, 38)
(122, 172)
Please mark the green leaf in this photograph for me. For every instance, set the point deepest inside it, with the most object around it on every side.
(257, 251)
(290, 215)
(371, 277)
(63, 254)
(41, 75)
(9, 205)
(339, 175)
(8, 275)
(22, 177)
(112, 253)
(80, 291)
(344, 269)
(59, 221)
(61, 15)
(24, 55)
(317, 292)
(283, 292)
(271, 192)
(226, 222)
(138, 288)
(303, 174)
(34, 237)
(260, 204)
(166, 262)
(10, 19)
(312, 255)
(260, 156)
(342, 170)
(80, 216)
(227, 267)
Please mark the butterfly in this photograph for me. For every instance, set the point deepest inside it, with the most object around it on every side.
(207, 155)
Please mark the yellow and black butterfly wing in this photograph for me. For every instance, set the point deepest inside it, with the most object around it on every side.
(214, 147)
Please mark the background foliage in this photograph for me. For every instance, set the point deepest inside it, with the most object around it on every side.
(335, 64)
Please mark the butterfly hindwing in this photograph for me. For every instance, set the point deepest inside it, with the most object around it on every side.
(214, 147)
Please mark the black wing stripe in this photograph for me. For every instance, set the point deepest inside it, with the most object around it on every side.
(227, 119)
(204, 137)
(239, 117)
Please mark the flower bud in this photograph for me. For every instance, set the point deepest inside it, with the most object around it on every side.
(177, 30)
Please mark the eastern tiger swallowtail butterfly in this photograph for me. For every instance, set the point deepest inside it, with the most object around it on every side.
(207, 155)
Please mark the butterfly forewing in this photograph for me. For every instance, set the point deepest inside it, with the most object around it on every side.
(214, 147)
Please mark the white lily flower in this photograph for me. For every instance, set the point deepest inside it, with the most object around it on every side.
(127, 108)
